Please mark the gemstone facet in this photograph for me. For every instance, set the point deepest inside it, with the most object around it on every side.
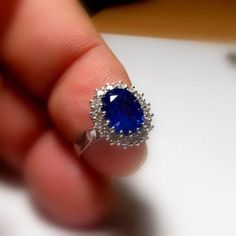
(123, 111)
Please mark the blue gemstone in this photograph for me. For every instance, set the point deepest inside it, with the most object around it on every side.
(123, 110)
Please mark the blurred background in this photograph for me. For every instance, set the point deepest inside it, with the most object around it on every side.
(192, 19)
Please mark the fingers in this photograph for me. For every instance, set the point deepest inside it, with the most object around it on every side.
(61, 183)
(21, 123)
(56, 53)
(64, 186)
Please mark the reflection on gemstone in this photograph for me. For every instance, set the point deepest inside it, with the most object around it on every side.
(122, 110)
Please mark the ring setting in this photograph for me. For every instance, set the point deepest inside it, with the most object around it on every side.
(121, 115)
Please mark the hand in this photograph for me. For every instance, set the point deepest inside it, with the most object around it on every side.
(52, 60)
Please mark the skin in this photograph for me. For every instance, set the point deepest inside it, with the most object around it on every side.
(52, 60)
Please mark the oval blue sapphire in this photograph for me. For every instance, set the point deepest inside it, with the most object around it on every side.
(123, 110)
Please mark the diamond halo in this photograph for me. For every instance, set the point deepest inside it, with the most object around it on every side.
(101, 123)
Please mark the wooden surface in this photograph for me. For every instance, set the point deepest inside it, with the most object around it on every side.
(204, 20)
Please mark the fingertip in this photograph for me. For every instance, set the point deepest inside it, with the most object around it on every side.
(114, 160)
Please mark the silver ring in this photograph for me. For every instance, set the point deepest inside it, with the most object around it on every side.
(120, 114)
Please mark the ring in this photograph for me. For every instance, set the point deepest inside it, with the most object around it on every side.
(120, 114)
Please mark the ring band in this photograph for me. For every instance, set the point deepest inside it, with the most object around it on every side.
(120, 115)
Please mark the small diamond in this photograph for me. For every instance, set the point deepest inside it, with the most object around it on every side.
(100, 93)
(122, 110)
